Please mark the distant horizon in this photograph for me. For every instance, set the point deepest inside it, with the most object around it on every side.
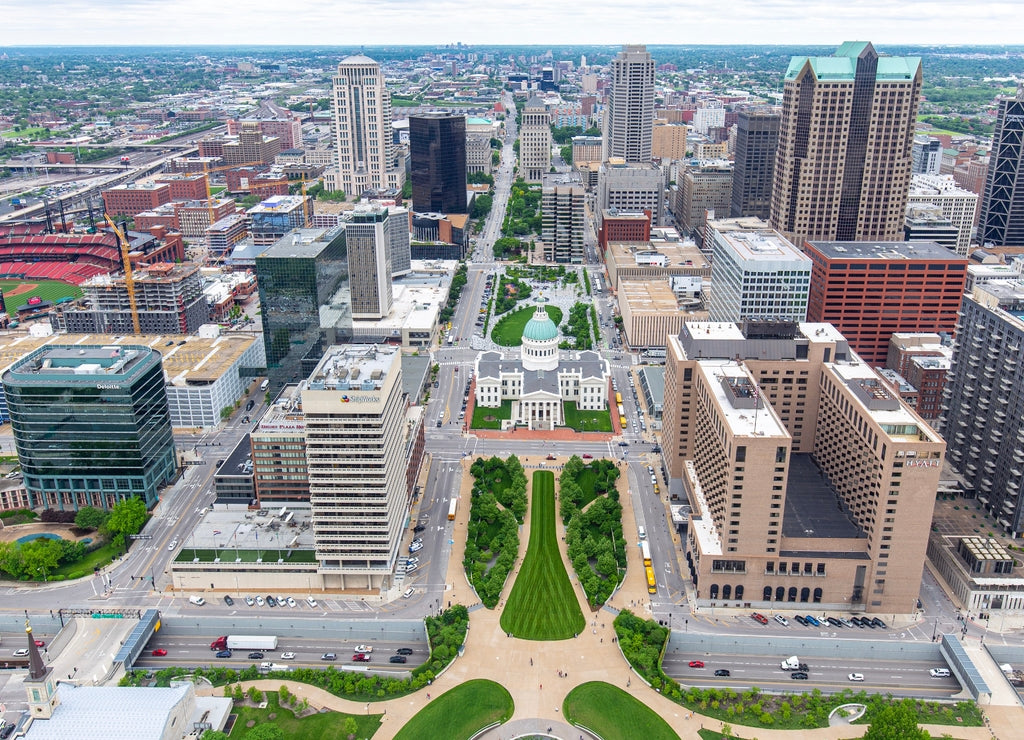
(389, 23)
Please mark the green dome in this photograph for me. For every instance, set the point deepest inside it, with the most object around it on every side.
(540, 328)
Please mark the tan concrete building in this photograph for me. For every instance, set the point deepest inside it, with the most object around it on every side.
(652, 311)
(650, 260)
(844, 162)
(669, 140)
(809, 480)
(535, 140)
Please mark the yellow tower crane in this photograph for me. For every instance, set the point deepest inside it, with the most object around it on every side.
(129, 282)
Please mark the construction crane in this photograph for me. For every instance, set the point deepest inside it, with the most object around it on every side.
(129, 282)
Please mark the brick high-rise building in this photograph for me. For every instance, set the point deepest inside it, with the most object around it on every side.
(871, 290)
(535, 141)
(843, 164)
(757, 140)
(628, 117)
(835, 508)
(127, 200)
(1002, 207)
(367, 157)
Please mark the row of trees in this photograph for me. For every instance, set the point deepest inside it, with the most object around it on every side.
(522, 216)
(510, 291)
(593, 537)
(458, 283)
(577, 326)
(498, 507)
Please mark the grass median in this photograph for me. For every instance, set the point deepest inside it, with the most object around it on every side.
(613, 714)
(543, 604)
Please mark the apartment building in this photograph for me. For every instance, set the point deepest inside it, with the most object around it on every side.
(628, 117)
(562, 227)
(127, 200)
(836, 505)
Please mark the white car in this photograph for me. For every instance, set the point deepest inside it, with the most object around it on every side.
(249, 601)
(411, 567)
(415, 547)
(408, 592)
(21, 653)
(311, 601)
(291, 602)
(287, 656)
(856, 677)
(782, 620)
(174, 544)
(939, 673)
(363, 648)
(260, 601)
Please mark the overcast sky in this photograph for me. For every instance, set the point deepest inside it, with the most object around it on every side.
(373, 22)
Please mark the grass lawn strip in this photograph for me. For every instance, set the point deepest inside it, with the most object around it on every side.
(508, 332)
(460, 713)
(613, 714)
(586, 421)
(480, 414)
(326, 726)
(543, 604)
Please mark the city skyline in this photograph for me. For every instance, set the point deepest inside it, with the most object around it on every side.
(140, 22)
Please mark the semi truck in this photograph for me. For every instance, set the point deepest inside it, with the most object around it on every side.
(793, 663)
(244, 642)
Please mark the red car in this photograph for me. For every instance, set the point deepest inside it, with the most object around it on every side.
(696, 664)
(159, 653)
(40, 643)
(587, 456)
(759, 618)
(361, 658)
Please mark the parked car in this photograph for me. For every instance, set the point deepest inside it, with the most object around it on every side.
(249, 601)
(159, 653)
(782, 620)
(418, 528)
(256, 656)
(799, 676)
(329, 656)
(856, 677)
(291, 602)
(397, 659)
(834, 622)
(260, 601)
(228, 600)
(404, 651)
(224, 654)
(800, 619)
(722, 672)
(312, 602)
(879, 623)
(758, 617)
(811, 620)
(415, 547)
(696, 664)
(271, 601)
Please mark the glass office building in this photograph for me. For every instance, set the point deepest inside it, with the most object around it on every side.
(305, 300)
(437, 149)
(91, 425)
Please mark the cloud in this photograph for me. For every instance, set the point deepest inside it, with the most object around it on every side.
(413, 22)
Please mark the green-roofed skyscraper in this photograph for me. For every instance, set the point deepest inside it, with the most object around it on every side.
(843, 165)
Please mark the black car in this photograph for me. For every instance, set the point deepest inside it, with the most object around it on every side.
(271, 601)
(397, 659)
(801, 620)
(256, 656)
(404, 651)
(799, 676)
(418, 528)
(879, 623)
(7, 731)
(835, 622)
(722, 672)
(228, 600)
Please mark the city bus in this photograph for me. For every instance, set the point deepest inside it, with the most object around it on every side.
(652, 585)
(645, 551)
(451, 509)
(618, 398)
(622, 422)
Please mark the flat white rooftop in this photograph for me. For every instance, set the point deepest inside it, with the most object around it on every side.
(757, 420)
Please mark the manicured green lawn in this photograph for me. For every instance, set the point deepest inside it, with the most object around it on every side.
(613, 714)
(508, 332)
(325, 726)
(543, 604)
(48, 290)
(95, 559)
(25, 133)
(481, 413)
(460, 713)
(586, 421)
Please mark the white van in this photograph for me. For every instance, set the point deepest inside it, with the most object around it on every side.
(197, 600)
(643, 533)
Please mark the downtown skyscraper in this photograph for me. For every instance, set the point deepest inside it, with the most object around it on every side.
(367, 158)
(1002, 208)
(629, 113)
(844, 161)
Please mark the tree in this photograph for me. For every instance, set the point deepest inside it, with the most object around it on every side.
(127, 518)
(896, 721)
(214, 735)
(89, 517)
(265, 732)
(350, 727)
(566, 152)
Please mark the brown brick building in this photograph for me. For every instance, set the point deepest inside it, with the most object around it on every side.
(127, 200)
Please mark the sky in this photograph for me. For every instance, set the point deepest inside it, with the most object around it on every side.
(418, 22)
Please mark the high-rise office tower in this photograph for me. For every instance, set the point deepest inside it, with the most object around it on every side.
(1002, 206)
(562, 223)
(843, 164)
(367, 158)
(91, 425)
(535, 140)
(983, 409)
(629, 113)
(926, 156)
(437, 147)
(353, 406)
(401, 247)
(368, 236)
(705, 187)
(304, 294)
(757, 139)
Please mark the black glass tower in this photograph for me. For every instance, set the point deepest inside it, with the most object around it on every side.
(91, 425)
(1002, 207)
(437, 144)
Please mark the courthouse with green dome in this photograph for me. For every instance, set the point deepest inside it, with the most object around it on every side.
(542, 377)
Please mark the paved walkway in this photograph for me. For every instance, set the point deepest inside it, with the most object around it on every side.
(530, 670)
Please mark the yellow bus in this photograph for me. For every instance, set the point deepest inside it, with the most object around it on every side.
(622, 422)
(652, 586)
(618, 397)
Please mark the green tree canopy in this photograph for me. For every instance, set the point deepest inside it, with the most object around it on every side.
(89, 517)
(265, 732)
(127, 518)
(897, 721)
